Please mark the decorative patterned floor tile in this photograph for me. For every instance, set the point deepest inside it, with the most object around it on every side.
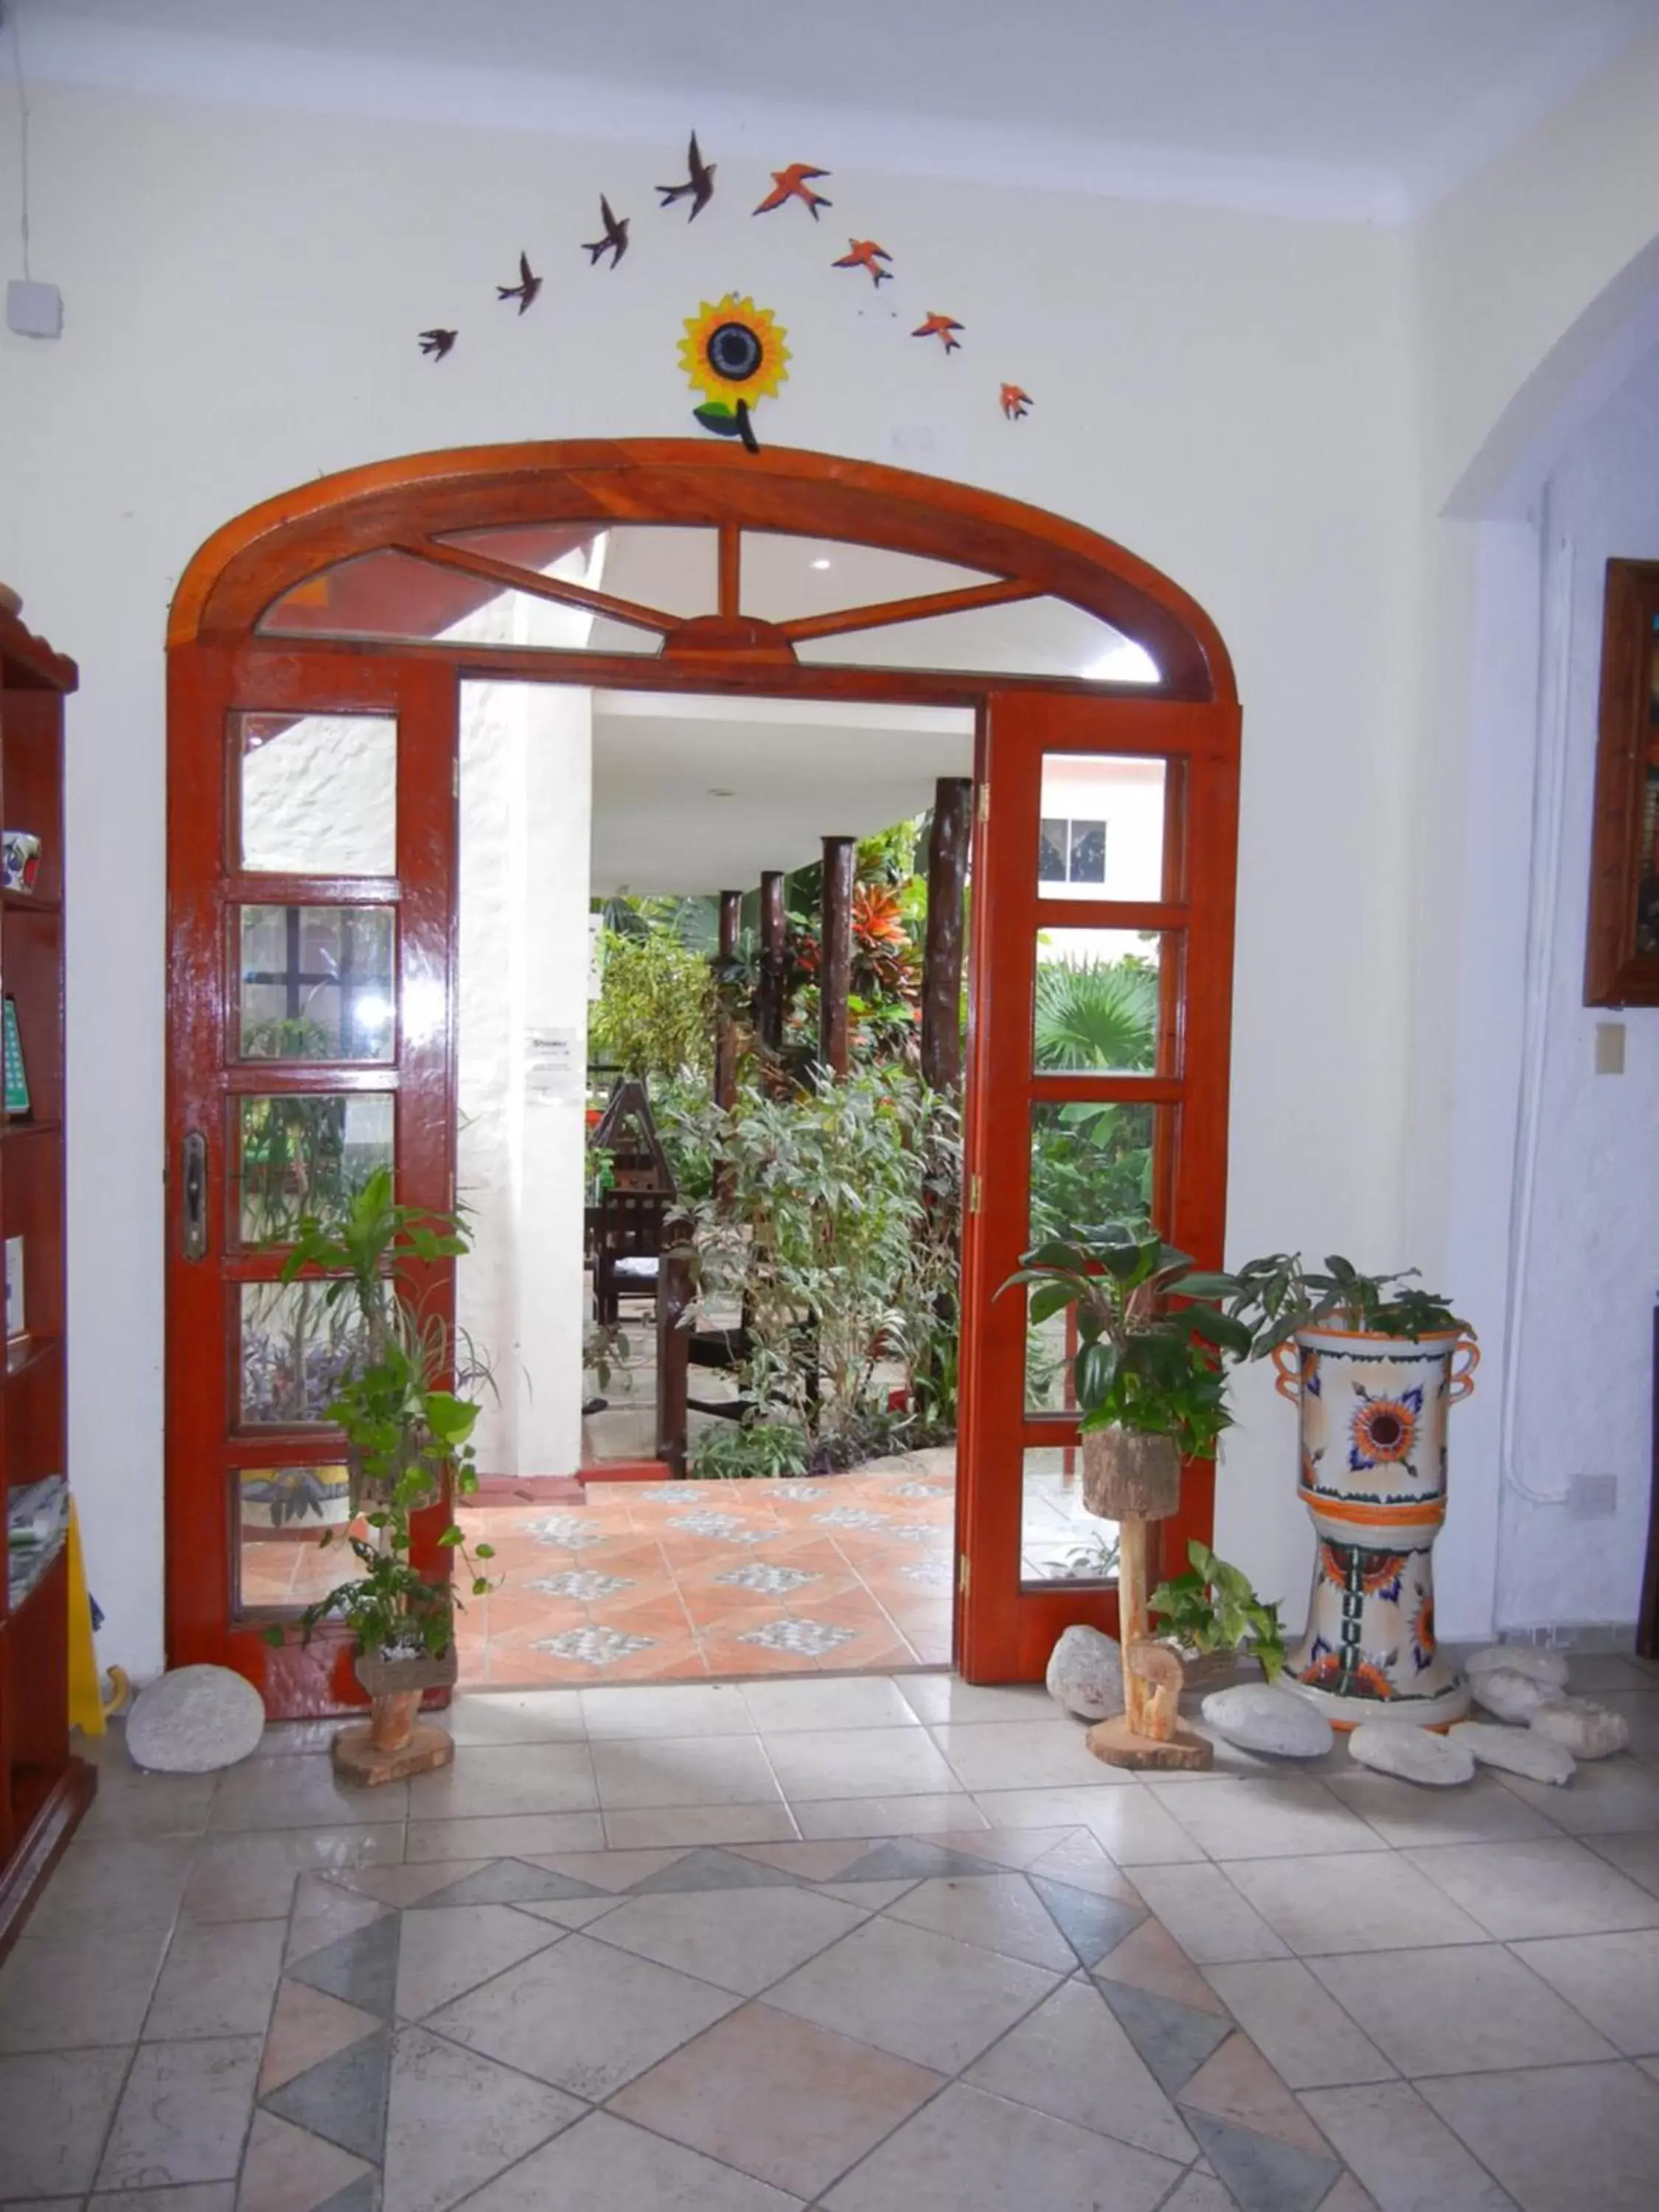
(1173, 2040)
(850, 1517)
(931, 1573)
(507, 1882)
(762, 1575)
(584, 1583)
(361, 1969)
(811, 1639)
(710, 1523)
(1093, 1926)
(1264, 2173)
(594, 1647)
(569, 1531)
(923, 1490)
(455, 2119)
(343, 2100)
(307, 2027)
(710, 1868)
(288, 2170)
(447, 1952)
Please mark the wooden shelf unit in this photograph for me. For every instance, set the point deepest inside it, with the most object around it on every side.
(44, 1790)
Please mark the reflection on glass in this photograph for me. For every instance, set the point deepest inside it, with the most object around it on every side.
(1090, 1162)
(296, 1347)
(1095, 1004)
(307, 1152)
(1101, 834)
(1020, 637)
(282, 1515)
(316, 982)
(318, 793)
(1058, 1541)
(785, 577)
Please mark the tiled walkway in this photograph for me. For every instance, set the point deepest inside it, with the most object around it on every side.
(866, 1945)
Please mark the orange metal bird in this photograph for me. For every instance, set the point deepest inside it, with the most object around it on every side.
(865, 254)
(1016, 403)
(941, 326)
(793, 184)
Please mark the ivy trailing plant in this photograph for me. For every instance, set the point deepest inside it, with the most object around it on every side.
(408, 1433)
(1142, 1364)
(1273, 1298)
(1213, 1608)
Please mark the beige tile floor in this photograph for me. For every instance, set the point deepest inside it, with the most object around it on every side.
(865, 1944)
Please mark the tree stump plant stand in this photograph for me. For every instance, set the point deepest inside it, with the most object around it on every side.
(393, 1743)
(1135, 1480)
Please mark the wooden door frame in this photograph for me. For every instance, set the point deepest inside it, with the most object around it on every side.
(409, 504)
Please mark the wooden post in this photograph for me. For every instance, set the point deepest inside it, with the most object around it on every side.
(725, 1027)
(835, 954)
(769, 998)
(941, 969)
(673, 1347)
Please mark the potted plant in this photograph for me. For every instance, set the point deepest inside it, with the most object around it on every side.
(407, 1427)
(1213, 1616)
(1371, 1362)
(1148, 1383)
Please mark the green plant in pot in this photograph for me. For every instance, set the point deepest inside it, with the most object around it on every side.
(1210, 1614)
(1373, 1363)
(1148, 1380)
(407, 1418)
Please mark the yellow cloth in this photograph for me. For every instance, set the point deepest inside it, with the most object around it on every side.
(86, 1703)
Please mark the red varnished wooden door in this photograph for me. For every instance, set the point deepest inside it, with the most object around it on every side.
(311, 841)
(1107, 829)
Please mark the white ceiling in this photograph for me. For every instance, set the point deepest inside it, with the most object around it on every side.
(1358, 108)
(795, 773)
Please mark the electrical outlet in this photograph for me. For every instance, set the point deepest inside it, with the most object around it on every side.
(1592, 1497)
(1609, 1047)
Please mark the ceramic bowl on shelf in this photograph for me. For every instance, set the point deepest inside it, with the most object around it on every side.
(19, 859)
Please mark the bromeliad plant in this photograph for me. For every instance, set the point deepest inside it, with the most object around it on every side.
(1141, 1364)
(408, 1433)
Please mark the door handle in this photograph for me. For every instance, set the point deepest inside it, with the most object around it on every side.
(193, 1230)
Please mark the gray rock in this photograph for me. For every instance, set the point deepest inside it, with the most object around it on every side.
(1535, 1661)
(1580, 1726)
(1413, 1753)
(1510, 1696)
(1259, 1717)
(1086, 1674)
(1516, 1751)
(194, 1721)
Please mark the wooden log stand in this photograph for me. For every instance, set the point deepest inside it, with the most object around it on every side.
(394, 1744)
(1135, 1481)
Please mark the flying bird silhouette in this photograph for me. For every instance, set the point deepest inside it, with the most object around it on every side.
(941, 326)
(793, 184)
(526, 288)
(699, 186)
(1015, 402)
(615, 241)
(438, 343)
(866, 254)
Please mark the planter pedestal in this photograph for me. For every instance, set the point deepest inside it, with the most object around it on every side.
(1373, 1477)
(1135, 1479)
(395, 1744)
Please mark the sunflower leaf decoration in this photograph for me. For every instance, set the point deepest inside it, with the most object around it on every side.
(733, 353)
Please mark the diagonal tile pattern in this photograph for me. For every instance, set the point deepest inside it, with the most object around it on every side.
(719, 1987)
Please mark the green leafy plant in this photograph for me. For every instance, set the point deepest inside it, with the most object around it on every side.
(655, 1009)
(1213, 1608)
(1096, 1013)
(1273, 1298)
(1139, 1365)
(407, 1431)
(738, 1451)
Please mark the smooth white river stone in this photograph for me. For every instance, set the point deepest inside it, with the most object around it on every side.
(1259, 1717)
(1516, 1751)
(1535, 1661)
(1580, 1726)
(194, 1721)
(1412, 1753)
(1511, 1697)
(1086, 1674)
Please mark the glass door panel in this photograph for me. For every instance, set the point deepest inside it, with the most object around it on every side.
(1103, 954)
(309, 920)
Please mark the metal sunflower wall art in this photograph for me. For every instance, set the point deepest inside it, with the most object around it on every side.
(733, 353)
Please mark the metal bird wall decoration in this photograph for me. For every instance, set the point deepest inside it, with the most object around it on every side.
(615, 241)
(1016, 404)
(941, 326)
(794, 183)
(525, 290)
(438, 343)
(699, 186)
(866, 254)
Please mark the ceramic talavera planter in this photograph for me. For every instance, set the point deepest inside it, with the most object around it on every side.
(1373, 1477)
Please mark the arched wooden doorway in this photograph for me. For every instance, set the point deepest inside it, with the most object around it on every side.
(326, 602)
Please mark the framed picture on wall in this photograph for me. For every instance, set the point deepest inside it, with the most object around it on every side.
(1621, 961)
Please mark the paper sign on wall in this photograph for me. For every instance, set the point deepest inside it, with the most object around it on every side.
(553, 1071)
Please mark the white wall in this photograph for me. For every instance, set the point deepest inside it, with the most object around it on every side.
(1555, 1200)
(1229, 395)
